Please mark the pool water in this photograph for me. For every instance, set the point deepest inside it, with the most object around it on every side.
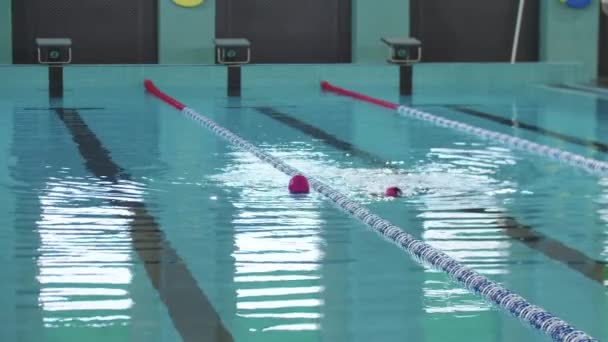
(126, 221)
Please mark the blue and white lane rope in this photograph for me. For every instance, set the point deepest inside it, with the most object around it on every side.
(591, 165)
(536, 317)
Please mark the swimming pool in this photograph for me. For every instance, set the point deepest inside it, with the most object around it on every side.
(127, 222)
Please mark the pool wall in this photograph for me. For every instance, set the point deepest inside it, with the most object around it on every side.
(568, 36)
(432, 81)
(185, 35)
(374, 19)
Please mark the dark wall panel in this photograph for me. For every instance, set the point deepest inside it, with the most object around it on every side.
(473, 30)
(102, 32)
(603, 46)
(289, 31)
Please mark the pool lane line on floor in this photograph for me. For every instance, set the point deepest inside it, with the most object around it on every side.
(324, 136)
(189, 308)
(596, 145)
(534, 316)
(595, 270)
(599, 92)
(590, 165)
(46, 109)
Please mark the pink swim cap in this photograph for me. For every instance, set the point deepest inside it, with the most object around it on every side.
(393, 191)
(299, 185)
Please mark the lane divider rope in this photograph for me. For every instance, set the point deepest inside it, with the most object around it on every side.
(591, 165)
(534, 316)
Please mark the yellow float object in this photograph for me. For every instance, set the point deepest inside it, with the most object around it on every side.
(188, 3)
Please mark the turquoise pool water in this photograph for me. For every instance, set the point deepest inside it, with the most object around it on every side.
(125, 221)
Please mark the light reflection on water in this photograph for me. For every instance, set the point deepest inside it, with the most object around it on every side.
(278, 253)
(85, 253)
(277, 235)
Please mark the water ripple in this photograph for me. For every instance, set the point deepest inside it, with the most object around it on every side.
(278, 254)
(85, 251)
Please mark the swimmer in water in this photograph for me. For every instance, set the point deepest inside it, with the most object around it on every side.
(391, 192)
(396, 192)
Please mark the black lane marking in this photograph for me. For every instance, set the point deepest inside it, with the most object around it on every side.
(599, 91)
(596, 270)
(254, 107)
(596, 145)
(191, 311)
(426, 105)
(593, 269)
(324, 136)
(61, 108)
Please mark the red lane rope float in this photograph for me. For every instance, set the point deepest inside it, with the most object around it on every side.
(150, 87)
(344, 92)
